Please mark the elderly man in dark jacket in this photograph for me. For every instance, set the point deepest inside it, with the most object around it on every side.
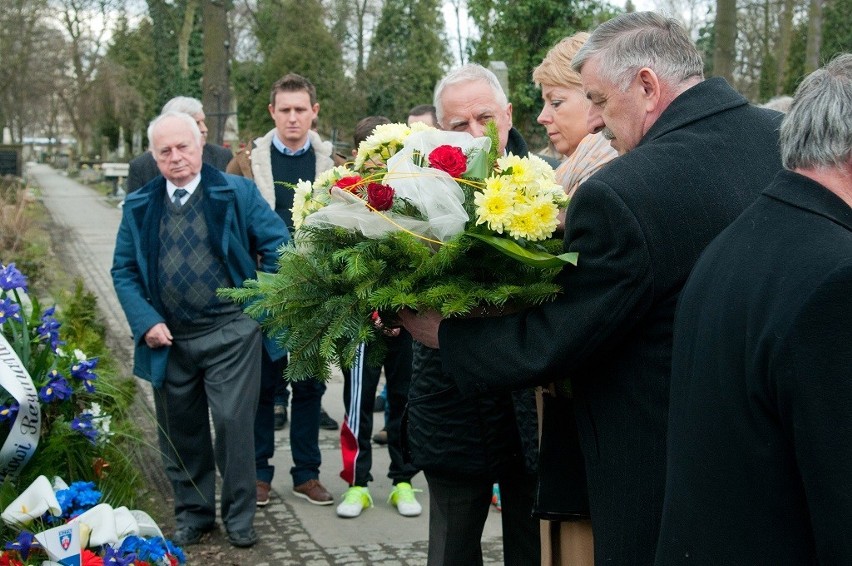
(760, 430)
(695, 154)
(183, 236)
(144, 167)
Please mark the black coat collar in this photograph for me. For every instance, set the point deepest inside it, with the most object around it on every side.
(702, 100)
(805, 193)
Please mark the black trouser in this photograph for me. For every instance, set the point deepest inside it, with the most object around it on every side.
(359, 396)
(458, 509)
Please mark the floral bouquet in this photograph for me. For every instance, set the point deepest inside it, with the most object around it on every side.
(423, 219)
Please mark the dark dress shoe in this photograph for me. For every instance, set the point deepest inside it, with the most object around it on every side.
(242, 539)
(280, 412)
(326, 422)
(185, 536)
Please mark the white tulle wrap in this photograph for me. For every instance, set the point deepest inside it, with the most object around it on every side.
(434, 193)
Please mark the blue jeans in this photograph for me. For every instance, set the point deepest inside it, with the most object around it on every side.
(304, 424)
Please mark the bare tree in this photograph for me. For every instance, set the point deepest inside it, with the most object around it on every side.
(185, 34)
(460, 40)
(29, 58)
(785, 40)
(353, 22)
(85, 24)
(814, 46)
(215, 86)
(692, 13)
(724, 50)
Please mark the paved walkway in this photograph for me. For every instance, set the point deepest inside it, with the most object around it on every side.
(291, 530)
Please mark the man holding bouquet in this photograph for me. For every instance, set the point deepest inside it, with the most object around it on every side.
(694, 154)
(465, 445)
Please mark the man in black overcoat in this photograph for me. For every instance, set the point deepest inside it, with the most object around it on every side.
(695, 155)
(760, 442)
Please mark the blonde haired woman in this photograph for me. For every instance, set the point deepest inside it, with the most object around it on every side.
(562, 499)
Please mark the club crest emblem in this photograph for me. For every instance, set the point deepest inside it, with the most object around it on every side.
(65, 539)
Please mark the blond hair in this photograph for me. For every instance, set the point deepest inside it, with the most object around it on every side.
(555, 69)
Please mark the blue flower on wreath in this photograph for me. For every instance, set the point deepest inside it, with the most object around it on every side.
(79, 497)
(116, 557)
(57, 389)
(153, 550)
(176, 551)
(48, 330)
(83, 424)
(9, 310)
(24, 544)
(82, 370)
(11, 278)
(8, 413)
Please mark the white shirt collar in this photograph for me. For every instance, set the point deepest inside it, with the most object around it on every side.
(189, 187)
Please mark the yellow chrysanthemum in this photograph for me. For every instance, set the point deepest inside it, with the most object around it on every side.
(494, 207)
(517, 170)
(522, 223)
(546, 213)
(534, 221)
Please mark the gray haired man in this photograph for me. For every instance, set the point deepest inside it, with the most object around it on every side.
(144, 167)
(760, 435)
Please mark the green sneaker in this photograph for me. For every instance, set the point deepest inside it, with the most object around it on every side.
(402, 497)
(355, 500)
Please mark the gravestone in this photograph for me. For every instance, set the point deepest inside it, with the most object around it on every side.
(10, 159)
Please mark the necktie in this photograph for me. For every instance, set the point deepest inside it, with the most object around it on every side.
(178, 196)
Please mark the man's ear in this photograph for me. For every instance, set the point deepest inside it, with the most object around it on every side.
(271, 111)
(509, 113)
(650, 85)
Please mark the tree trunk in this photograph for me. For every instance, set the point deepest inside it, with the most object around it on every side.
(185, 35)
(724, 52)
(814, 46)
(785, 39)
(215, 85)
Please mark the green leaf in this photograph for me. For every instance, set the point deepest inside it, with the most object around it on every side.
(533, 258)
(478, 165)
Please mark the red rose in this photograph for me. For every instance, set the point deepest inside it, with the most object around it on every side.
(448, 158)
(350, 183)
(379, 196)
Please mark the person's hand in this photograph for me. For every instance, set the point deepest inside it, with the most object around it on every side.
(389, 331)
(422, 325)
(158, 336)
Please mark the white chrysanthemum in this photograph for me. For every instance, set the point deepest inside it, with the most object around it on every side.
(327, 178)
(383, 143)
(301, 196)
(421, 127)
